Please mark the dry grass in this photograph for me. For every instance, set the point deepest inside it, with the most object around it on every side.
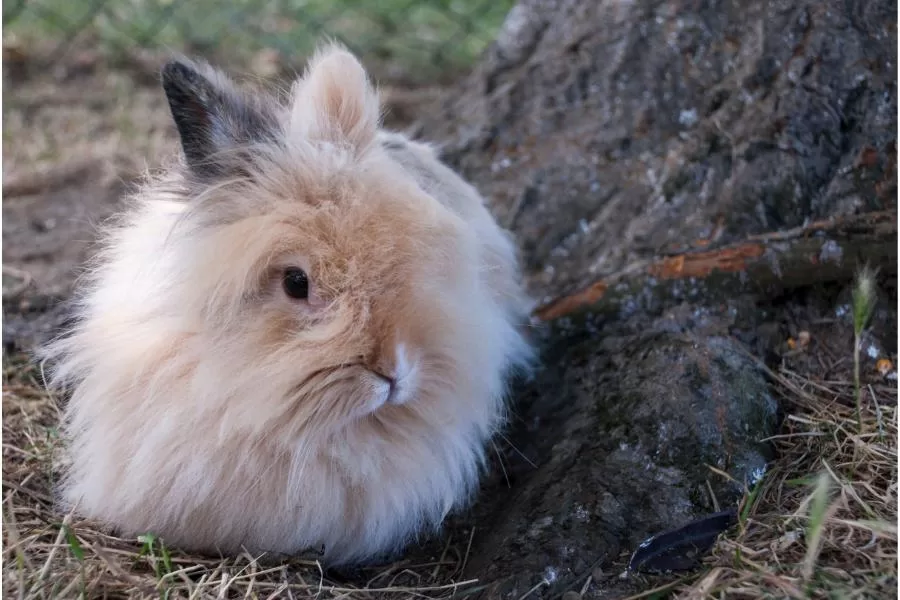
(798, 539)
(794, 541)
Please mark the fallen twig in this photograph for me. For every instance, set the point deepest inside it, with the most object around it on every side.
(829, 250)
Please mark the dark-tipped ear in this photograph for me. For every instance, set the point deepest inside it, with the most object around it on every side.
(214, 118)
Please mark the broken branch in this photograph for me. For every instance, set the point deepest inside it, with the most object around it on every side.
(827, 250)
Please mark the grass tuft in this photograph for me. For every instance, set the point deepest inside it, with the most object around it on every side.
(823, 522)
(863, 306)
(818, 512)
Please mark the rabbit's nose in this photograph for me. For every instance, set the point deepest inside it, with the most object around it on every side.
(392, 383)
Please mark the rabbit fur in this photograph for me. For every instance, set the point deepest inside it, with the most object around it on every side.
(208, 406)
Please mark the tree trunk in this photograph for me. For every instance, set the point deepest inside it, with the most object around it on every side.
(604, 133)
(666, 167)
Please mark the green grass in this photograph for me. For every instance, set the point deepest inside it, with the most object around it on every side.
(863, 305)
(818, 509)
(424, 39)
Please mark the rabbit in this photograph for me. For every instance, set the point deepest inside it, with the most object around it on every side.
(298, 336)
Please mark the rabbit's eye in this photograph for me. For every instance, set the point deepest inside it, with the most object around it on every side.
(295, 283)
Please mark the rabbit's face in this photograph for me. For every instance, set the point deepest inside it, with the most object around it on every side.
(330, 288)
(350, 300)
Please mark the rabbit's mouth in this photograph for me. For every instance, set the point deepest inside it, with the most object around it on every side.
(349, 392)
(373, 390)
(391, 386)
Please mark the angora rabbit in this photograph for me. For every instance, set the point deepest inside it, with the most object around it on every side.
(297, 338)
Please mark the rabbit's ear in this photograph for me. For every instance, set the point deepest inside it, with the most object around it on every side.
(214, 118)
(335, 101)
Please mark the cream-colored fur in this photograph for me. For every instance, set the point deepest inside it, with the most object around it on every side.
(210, 408)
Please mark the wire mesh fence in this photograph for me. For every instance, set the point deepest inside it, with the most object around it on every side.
(411, 38)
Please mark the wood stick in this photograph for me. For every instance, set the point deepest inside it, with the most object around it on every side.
(828, 250)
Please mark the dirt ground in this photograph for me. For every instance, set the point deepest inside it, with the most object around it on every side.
(75, 137)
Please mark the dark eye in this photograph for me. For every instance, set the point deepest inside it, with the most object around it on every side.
(295, 283)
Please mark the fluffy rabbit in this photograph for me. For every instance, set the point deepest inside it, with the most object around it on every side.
(298, 337)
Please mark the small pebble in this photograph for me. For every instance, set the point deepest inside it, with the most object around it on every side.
(597, 574)
(571, 595)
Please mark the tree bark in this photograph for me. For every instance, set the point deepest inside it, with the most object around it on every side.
(608, 133)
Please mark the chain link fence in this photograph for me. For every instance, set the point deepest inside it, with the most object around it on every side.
(410, 39)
